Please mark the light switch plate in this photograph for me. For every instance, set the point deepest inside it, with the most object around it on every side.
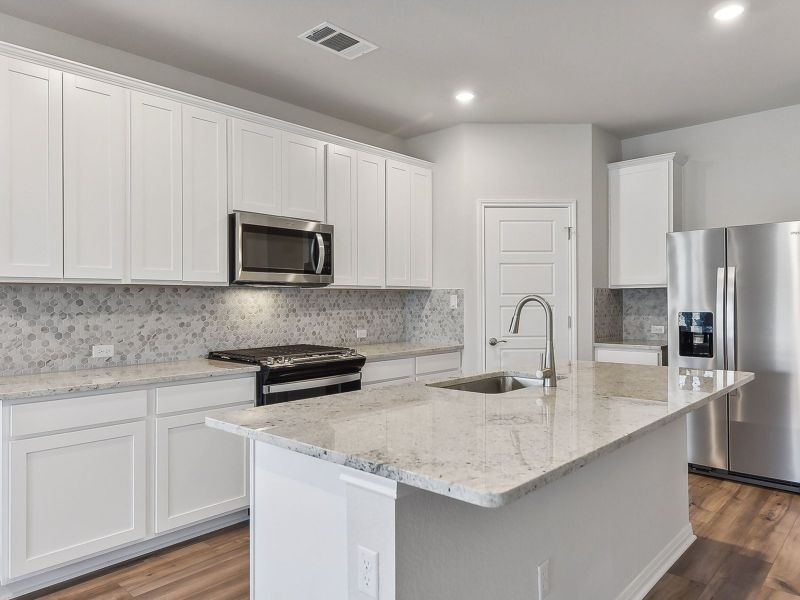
(453, 301)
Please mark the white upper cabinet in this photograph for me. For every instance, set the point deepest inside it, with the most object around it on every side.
(398, 224)
(31, 219)
(371, 220)
(343, 213)
(256, 168)
(644, 204)
(303, 177)
(156, 189)
(205, 200)
(95, 178)
(421, 228)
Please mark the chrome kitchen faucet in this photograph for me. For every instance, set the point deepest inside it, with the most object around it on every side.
(547, 364)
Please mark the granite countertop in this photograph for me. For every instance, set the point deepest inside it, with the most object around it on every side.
(85, 380)
(484, 449)
(374, 352)
(633, 343)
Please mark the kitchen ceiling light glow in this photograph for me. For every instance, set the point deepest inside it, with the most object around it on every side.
(465, 96)
(728, 12)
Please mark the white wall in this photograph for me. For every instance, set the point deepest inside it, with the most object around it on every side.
(517, 161)
(740, 171)
(29, 35)
(605, 149)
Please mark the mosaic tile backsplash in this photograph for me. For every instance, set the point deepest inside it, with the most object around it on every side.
(642, 308)
(48, 328)
(607, 315)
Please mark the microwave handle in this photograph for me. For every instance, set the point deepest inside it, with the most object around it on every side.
(320, 253)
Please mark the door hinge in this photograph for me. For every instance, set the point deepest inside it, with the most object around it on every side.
(569, 321)
(569, 232)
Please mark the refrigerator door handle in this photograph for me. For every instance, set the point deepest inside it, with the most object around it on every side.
(730, 320)
(719, 337)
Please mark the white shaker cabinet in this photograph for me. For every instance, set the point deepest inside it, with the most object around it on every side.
(398, 224)
(95, 117)
(156, 213)
(644, 204)
(342, 212)
(421, 228)
(255, 167)
(75, 494)
(31, 218)
(303, 177)
(409, 216)
(371, 220)
(205, 200)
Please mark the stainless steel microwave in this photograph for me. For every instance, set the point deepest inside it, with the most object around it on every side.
(269, 250)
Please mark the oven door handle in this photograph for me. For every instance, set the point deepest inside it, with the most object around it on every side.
(307, 384)
(320, 242)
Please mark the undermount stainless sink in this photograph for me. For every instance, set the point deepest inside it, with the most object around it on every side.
(493, 384)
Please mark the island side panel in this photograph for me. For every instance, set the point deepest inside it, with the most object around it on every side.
(609, 529)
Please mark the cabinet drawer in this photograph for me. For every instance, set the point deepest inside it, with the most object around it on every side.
(194, 396)
(436, 363)
(630, 357)
(70, 413)
(386, 370)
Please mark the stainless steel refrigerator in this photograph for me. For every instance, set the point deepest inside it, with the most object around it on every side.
(734, 303)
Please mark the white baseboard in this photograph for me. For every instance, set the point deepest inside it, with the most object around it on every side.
(656, 568)
(39, 581)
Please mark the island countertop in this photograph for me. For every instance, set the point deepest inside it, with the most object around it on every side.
(484, 449)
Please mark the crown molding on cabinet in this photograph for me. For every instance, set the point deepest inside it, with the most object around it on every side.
(675, 157)
(63, 64)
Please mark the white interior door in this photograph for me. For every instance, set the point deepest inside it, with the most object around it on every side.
(526, 251)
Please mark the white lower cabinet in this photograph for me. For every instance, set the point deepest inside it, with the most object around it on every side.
(629, 356)
(428, 367)
(91, 477)
(200, 472)
(75, 494)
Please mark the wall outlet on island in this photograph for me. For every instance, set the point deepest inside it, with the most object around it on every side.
(361, 334)
(544, 579)
(368, 572)
(656, 329)
(103, 351)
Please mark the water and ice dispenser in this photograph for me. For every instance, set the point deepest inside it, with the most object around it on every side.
(696, 334)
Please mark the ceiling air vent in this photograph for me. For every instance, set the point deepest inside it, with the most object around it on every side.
(337, 40)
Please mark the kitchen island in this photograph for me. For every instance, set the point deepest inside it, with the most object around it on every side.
(415, 492)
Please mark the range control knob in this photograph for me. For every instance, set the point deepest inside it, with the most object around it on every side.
(270, 361)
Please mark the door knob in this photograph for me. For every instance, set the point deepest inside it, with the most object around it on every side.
(494, 341)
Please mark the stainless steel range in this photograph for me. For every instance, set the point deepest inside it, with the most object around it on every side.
(299, 371)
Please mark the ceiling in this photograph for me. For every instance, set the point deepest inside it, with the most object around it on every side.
(629, 66)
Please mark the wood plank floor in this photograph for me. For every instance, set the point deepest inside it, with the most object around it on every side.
(748, 548)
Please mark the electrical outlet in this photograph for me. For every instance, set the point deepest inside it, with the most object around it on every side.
(656, 329)
(361, 333)
(544, 579)
(453, 301)
(368, 572)
(103, 351)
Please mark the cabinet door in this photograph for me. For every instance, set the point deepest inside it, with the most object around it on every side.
(421, 228)
(398, 224)
(342, 213)
(75, 494)
(303, 160)
(31, 217)
(200, 472)
(205, 204)
(638, 221)
(156, 188)
(256, 168)
(371, 227)
(95, 178)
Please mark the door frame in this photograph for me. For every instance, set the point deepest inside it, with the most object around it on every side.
(483, 205)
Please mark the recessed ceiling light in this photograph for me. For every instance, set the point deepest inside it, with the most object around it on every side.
(728, 12)
(465, 96)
